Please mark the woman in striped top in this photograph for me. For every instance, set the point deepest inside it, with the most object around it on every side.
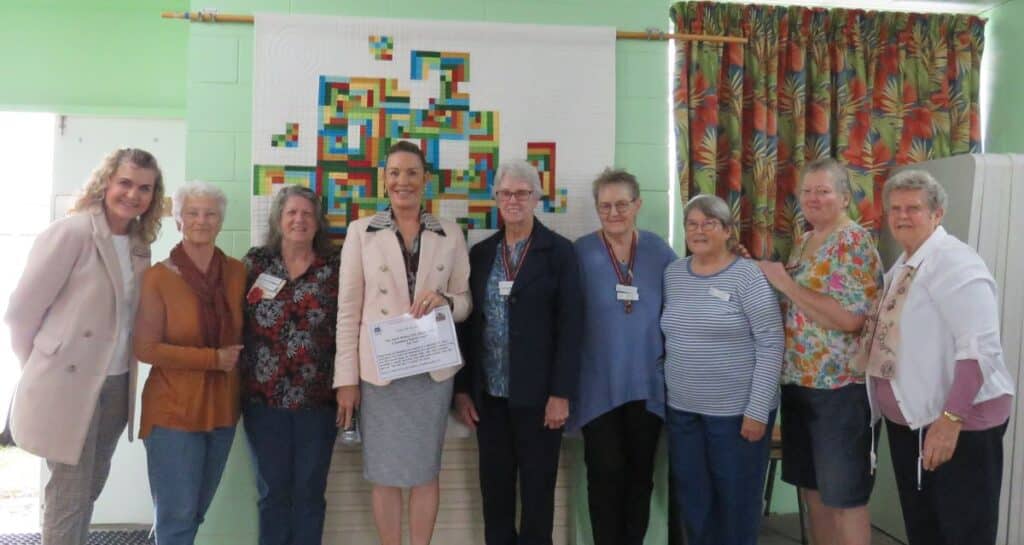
(723, 355)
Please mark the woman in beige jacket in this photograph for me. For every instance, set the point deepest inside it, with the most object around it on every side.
(402, 260)
(71, 317)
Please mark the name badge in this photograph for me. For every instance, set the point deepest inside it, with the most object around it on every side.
(268, 285)
(505, 287)
(626, 293)
(718, 294)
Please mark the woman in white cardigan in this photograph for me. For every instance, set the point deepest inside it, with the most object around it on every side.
(936, 373)
(71, 316)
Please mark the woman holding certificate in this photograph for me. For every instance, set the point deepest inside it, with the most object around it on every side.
(402, 260)
(522, 350)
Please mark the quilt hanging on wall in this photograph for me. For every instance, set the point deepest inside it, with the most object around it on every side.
(332, 94)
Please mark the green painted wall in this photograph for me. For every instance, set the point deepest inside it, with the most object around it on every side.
(99, 57)
(1004, 35)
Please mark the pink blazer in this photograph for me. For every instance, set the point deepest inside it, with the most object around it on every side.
(373, 288)
(64, 317)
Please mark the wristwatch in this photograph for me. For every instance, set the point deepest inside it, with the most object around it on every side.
(952, 417)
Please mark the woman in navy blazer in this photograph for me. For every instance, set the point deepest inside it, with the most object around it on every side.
(521, 351)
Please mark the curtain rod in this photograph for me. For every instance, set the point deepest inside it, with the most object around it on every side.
(650, 34)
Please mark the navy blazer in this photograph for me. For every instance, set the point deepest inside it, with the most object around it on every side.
(545, 321)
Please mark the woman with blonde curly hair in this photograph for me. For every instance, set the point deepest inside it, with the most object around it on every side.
(71, 319)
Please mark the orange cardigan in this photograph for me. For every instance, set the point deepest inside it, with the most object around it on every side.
(184, 390)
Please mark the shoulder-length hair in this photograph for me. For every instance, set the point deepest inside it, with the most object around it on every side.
(146, 226)
(321, 243)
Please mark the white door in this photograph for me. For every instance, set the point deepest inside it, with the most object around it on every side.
(81, 143)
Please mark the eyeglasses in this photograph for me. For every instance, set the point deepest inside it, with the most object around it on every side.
(621, 207)
(706, 225)
(520, 195)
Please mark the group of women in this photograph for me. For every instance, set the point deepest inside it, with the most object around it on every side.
(612, 335)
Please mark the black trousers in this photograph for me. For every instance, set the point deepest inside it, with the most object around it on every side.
(958, 503)
(619, 448)
(514, 444)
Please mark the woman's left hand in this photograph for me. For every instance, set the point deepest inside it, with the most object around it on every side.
(939, 443)
(752, 430)
(556, 412)
(424, 302)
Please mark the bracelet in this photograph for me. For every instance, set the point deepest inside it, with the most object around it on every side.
(952, 417)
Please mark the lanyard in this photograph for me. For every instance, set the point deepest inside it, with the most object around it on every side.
(506, 253)
(624, 279)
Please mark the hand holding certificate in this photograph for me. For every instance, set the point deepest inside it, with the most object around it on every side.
(406, 346)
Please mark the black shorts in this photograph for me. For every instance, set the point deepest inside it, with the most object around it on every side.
(826, 443)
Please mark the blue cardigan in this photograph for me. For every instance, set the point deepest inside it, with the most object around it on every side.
(622, 354)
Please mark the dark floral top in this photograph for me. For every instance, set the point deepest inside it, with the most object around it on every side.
(288, 360)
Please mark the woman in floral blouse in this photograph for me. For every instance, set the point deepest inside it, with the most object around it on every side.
(287, 395)
(833, 276)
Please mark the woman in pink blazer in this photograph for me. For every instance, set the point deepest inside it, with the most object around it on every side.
(401, 260)
(71, 317)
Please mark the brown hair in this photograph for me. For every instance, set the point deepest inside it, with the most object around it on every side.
(409, 147)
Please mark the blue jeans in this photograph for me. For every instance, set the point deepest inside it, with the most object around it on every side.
(184, 470)
(718, 477)
(292, 454)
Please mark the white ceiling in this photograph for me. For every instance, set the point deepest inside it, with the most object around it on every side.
(924, 6)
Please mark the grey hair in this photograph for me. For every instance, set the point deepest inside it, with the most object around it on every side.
(711, 206)
(911, 180)
(321, 244)
(838, 175)
(518, 169)
(198, 189)
(611, 176)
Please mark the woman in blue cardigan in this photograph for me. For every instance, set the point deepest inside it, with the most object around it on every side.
(621, 399)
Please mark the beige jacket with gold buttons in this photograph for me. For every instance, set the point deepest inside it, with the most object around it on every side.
(373, 287)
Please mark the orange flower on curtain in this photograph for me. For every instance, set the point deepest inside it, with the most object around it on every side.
(875, 90)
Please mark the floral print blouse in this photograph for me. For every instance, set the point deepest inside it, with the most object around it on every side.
(288, 360)
(847, 268)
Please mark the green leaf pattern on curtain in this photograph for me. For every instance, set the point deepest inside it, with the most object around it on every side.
(873, 89)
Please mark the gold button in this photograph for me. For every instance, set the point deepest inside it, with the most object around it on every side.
(87, 334)
(440, 267)
(383, 268)
(384, 290)
(72, 368)
(384, 311)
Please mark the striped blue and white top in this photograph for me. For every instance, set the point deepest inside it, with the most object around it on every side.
(724, 341)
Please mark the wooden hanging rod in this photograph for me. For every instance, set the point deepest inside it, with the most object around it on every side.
(214, 17)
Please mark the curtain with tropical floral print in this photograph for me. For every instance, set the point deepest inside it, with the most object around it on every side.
(875, 90)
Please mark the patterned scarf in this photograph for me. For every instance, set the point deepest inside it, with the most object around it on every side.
(879, 344)
(214, 313)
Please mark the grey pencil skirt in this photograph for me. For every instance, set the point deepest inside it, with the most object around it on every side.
(403, 426)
